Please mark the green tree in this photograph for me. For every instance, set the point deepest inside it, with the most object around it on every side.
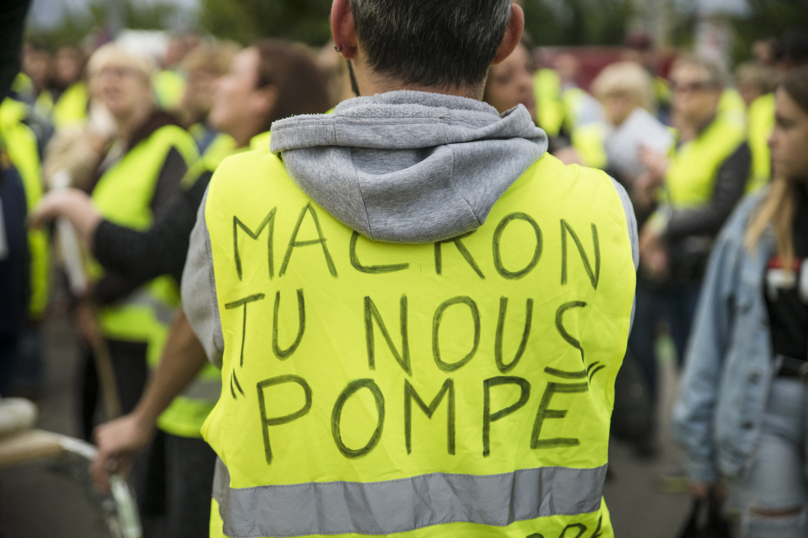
(248, 20)
(766, 19)
(577, 22)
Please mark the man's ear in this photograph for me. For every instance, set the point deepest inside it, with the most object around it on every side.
(513, 33)
(343, 29)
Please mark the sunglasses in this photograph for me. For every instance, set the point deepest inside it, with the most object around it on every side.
(693, 87)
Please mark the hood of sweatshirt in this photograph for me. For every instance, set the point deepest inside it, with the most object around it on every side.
(409, 167)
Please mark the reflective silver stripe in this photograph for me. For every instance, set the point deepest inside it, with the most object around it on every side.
(406, 504)
(142, 297)
(204, 389)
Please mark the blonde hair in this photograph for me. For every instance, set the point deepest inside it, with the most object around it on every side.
(714, 69)
(777, 207)
(115, 54)
(628, 79)
(755, 74)
(213, 57)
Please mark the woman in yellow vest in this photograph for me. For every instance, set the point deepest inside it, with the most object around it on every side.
(71, 94)
(512, 83)
(699, 184)
(265, 82)
(415, 333)
(741, 412)
(203, 66)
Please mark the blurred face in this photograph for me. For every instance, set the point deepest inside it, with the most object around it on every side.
(200, 89)
(67, 66)
(618, 107)
(789, 140)
(511, 83)
(749, 91)
(122, 89)
(695, 99)
(237, 99)
(36, 64)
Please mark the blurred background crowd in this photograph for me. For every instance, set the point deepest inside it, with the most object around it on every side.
(123, 109)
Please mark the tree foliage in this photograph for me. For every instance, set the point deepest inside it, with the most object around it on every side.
(767, 19)
(248, 20)
(73, 30)
(577, 22)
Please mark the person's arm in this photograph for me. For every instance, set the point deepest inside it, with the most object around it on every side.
(730, 184)
(712, 328)
(182, 359)
(143, 255)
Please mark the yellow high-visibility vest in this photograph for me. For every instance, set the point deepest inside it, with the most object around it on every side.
(549, 102)
(690, 178)
(122, 196)
(71, 108)
(761, 125)
(732, 104)
(462, 388)
(21, 144)
(169, 87)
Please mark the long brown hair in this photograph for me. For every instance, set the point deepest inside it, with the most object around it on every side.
(777, 207)
(291, 70)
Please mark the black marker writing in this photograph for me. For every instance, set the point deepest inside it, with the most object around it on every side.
(301, 324)
(321, 240)
(545, 413)
(269, 219)
(463, 252)
(488, 417)
(594, 276)
(277, 421)
(371, 315)
(503, 309)
(497, 252)
(336, 417)
(410, 394)
(559, 323)
(244, 302)
(371, 269)
(436, 321)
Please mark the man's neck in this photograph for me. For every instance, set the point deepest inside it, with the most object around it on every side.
(370, 83)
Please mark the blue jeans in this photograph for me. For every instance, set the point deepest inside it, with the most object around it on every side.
(777, 480)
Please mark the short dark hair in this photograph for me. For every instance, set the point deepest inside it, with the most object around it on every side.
(436, 43)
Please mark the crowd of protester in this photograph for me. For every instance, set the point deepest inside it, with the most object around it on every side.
(123, 146)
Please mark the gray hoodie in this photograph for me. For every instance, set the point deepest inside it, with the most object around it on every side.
(402, 167)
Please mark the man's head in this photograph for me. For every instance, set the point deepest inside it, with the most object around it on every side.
(439, 44)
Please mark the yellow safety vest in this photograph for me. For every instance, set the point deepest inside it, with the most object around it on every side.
(691, 175)
(761, 125)
(122, 196)
(462, 388)
(549, 103)
(169, 86)
(732, 104)
(588, 141)
(71, 107)
(21, 144)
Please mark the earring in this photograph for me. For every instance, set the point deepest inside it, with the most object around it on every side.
(338, 48)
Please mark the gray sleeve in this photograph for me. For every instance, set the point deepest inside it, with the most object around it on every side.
(631, 220)
(199, 290)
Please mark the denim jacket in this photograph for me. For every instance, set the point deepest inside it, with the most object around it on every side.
(729, 363)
